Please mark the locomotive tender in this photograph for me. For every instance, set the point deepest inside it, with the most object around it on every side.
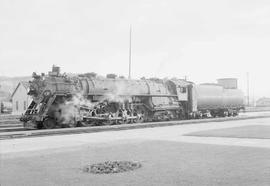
(82, 100)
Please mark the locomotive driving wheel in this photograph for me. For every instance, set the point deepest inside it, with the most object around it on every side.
(49, 123)
(139, 119)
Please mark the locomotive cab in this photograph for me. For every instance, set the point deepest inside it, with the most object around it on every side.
(185, 95)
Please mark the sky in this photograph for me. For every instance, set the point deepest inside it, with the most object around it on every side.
(202, 40)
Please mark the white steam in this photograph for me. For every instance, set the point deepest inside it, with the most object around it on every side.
(80, 106)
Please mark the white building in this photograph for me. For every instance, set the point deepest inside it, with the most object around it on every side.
(20, 99)
(263, 102)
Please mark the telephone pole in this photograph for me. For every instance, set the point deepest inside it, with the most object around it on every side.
(129, 70)
(247, 88)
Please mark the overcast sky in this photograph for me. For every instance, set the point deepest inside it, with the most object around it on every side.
(203, 40)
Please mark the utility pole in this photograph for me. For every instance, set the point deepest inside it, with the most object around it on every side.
(253, 99)
(247, 88)
(129, 70)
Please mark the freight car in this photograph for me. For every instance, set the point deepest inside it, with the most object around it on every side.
(70, 101)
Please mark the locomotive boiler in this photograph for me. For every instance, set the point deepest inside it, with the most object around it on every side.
(86, 99)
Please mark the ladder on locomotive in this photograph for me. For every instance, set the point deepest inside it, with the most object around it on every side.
(31, 109)
(48, 105)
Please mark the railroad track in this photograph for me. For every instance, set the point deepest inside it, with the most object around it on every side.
(18, 124)
(23, 133)
(11, 129)
(10, 125)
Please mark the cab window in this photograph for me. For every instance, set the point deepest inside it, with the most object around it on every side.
(182, 89)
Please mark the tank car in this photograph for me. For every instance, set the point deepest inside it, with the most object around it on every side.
(218, 100)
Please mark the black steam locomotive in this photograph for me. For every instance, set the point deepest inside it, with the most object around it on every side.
(84, 100)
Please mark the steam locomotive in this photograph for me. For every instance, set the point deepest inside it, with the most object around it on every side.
(86, 99)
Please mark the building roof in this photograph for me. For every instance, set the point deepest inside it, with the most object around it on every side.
(212, 84)
(263, 99)
(25, 84)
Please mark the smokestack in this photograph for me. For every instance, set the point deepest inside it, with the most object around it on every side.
(55, 71)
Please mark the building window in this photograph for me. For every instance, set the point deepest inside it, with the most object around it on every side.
(24, 105)
(17, 105)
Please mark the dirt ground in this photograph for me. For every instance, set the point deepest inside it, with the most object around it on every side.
(168, 157)
(163, 163)
(253, 131)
